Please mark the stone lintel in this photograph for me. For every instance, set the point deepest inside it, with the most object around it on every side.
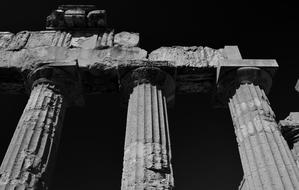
(99, 68)
(197, 68)
(248, 63)
(232, 52)
(91, 39)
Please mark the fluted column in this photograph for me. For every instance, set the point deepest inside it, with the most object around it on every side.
(243, 185)
(266, 158)
(147, 154)
(28, 161)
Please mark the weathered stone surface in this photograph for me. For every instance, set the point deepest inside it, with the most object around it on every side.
(126, 39)
(290, 130)
(73, 39)
(147, 156)
(195, 66)
(34, 39)
(42, 38)
(18, 41)
(98, 66)
(74, 17)
(190, 78)
(28, 58)
(266, 158)
(188, 56)
(87, 41)
(29, 158)
(105, 40)
(5, 39)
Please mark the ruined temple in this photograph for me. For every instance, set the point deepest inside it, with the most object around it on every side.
(79, 54)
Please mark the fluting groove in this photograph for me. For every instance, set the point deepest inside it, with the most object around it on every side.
(147, 148)
(25, 165)
(267, 161)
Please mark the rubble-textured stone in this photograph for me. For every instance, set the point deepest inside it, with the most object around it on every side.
(5, 39)
(195, 66)
(94, 63)
(30, 40)
(18, 41)
(266, 158)
(290, 130)
(75, 39)
(29, 158)
(190, 78)
(42, 38)
(147, 156)
(188, 56)
(126, 39)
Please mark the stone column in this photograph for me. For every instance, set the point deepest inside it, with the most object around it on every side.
(290, 130)
(266, 158)
(147, 154)
(29, 159)
(243, 185)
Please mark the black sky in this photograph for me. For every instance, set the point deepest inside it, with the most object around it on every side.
(205, 152)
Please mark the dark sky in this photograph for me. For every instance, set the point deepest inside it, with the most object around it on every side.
(205, 152)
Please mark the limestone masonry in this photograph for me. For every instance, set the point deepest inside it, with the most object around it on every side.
(78, 54)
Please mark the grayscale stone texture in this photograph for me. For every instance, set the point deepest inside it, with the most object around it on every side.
(104, 51)
(28, 161)
(99, 60)
(290, 130)
(147, 154)
(266, 159)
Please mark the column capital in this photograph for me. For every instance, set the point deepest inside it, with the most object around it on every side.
(65, 76)
(232, 73)
(149, 74)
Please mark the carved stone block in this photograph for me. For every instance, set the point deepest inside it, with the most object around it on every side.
(126, 39)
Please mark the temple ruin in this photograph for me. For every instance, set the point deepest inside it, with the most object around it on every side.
(78, 54)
